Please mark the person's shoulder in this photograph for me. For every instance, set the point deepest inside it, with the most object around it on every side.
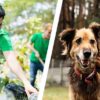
(3, 31)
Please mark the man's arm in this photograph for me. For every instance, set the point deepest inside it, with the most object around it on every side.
(16, 68)
(7, 49)
(31, 47)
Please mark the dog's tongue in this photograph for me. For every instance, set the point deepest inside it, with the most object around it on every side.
(85, 62)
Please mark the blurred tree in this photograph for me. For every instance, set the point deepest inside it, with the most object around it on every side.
(23, 10)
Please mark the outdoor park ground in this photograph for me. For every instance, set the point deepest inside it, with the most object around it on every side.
(56, 93)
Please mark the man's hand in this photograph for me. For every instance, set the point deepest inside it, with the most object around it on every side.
(37, 54)
(31, 46)
(29, 89)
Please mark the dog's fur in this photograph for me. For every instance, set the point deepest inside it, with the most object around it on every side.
(82, 47)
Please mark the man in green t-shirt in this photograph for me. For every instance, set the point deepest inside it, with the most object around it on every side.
(39, 45)
(7, 49)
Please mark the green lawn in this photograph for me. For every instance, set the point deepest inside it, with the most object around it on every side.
(56, 93)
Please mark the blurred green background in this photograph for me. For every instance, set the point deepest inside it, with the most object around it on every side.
(23, 18)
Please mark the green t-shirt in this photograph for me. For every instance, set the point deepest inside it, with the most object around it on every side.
(5, 42)
(40, 44)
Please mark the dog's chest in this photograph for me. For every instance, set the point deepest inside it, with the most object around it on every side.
(83, 90)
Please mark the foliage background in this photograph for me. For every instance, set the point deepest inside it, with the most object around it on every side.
(23, 18)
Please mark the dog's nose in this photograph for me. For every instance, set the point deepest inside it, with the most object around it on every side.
(87, 53)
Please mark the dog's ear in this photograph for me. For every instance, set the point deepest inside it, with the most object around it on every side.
(96, 29)
(66, 37)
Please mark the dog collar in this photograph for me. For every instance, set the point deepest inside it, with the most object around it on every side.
(88, 78)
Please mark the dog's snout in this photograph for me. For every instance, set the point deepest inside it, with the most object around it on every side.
(87, 53)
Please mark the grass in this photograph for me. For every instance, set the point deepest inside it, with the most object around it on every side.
(56, 93)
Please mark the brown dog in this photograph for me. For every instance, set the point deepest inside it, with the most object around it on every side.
(82, 47)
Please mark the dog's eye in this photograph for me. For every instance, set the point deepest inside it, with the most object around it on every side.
(78, 41)
(92, 41)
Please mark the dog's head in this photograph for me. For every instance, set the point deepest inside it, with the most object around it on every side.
(81, 44)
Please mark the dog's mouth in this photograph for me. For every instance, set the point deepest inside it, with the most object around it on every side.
(84, 62)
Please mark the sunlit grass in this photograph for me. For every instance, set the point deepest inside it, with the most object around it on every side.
(56, 93)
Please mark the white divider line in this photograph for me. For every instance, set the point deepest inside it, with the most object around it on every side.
(49, 53)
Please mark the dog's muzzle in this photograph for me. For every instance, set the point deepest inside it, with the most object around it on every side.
(87, 53)
(85, 59)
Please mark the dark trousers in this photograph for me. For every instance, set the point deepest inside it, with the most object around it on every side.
(34, 67)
